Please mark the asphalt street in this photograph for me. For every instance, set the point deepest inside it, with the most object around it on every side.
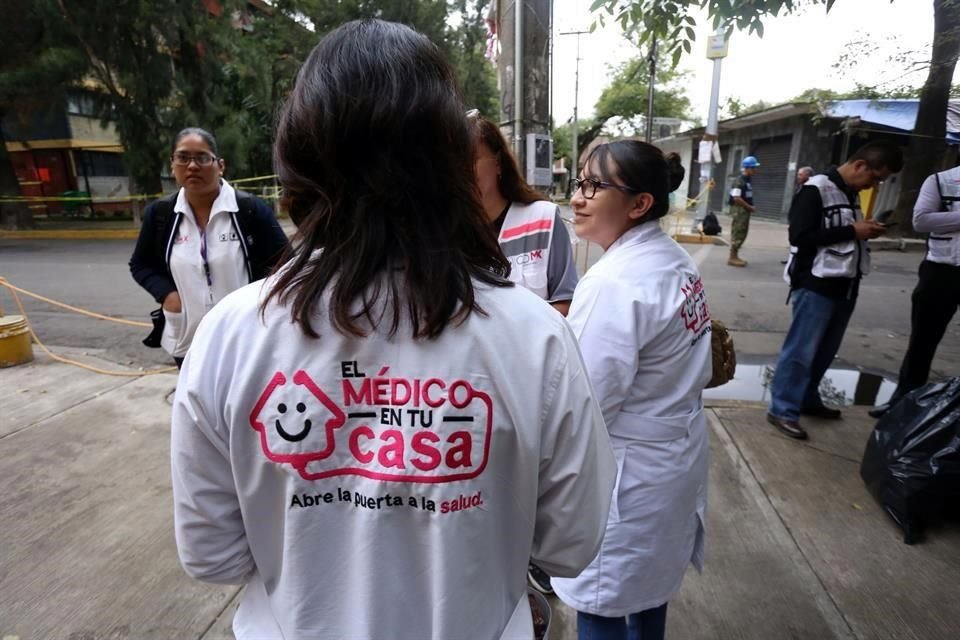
(93, 274)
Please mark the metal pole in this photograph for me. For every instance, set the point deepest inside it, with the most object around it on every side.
(518, 83)
(652, 60)
(575, 158)
(706, 170)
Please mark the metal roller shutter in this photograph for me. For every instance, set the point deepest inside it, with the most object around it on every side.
(771, 180)
(719, 194)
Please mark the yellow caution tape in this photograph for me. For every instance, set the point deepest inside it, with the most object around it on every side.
(15, 290)
(106, 199)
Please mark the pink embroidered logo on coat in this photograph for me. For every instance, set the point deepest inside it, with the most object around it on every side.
(695, 312)
(382, 427)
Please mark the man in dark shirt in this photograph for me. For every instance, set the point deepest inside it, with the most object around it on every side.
(741, 208)
(830, 239)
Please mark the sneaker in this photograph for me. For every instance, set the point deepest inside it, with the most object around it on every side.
(538, 579)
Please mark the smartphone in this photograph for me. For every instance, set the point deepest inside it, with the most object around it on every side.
(889, 224)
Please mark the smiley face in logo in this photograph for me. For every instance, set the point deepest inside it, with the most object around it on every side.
(282, 409)
(296, 422)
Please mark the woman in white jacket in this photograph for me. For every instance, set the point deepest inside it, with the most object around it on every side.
(643, 324)
(377, 438)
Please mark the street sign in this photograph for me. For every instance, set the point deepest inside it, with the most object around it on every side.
(716, 47)
(539, 159)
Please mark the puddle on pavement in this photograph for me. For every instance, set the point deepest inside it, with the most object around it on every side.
(839, 388)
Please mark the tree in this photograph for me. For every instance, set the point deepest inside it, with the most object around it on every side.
(734, 108)
(621, 109)
(468, 42)
(672, 22)
(34, 70)
(134, 51)
(159, 66)
(927, 145)
(464, 44)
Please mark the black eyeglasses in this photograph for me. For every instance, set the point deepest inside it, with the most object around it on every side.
(184, 159)
(588, 187)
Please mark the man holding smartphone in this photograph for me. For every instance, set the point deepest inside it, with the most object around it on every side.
(934, 302)
(828, 257)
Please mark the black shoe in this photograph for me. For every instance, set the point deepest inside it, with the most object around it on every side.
(789, 428)
(879, 411)
(822, 412)
(538, 579)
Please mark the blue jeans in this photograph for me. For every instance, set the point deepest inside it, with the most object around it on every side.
(813, 340)
(646, 625)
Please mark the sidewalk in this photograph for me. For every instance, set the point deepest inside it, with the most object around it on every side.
(766, 233)
(796, 547)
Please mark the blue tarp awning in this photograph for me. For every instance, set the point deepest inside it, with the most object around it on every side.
(897, 114)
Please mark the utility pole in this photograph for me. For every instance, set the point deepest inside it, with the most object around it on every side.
(575, 158)
(519, 70)
(524, 32)
(652, 61)
(716, 51)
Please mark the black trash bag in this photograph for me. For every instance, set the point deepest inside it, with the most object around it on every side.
(912, 461)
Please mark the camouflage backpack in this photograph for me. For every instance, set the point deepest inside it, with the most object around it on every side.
(724, 355)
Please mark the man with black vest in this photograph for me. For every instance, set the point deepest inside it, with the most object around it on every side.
(935, 300)
(828, 257)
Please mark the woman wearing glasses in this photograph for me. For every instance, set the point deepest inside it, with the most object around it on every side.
(528, 227)
(643, 324)
(202, 242)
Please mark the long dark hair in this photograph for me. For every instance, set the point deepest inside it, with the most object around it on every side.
(374, 155)
(642, 167)
(512, 185)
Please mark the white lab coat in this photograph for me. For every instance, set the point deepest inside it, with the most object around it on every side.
(642, 320)
(356, 520)
(228, 270)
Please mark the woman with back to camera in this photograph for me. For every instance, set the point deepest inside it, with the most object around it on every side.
(377, 438)
(528, 227)
(643, 324)
(202, 242)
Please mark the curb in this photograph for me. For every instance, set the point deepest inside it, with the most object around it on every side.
(898, 244)
(66, 234)
(697, 238)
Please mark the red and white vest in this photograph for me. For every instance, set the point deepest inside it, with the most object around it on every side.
(525, 240)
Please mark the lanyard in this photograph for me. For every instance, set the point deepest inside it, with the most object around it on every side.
(203, 256)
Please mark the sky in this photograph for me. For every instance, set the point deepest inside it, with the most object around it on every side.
(797, 52)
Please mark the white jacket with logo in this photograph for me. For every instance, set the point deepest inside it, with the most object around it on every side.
(224, 263)
(382, 487)
(643, 323)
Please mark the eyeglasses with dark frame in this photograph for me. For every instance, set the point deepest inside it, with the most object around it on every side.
(588, 187)
(184, 159)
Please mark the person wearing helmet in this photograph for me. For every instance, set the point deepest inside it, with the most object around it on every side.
(741, 206)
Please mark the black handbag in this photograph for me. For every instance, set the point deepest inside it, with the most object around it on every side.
(159, 321)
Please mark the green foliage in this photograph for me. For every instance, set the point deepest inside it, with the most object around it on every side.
(734, 108)
(625, 98)
(562, 141)
(672, 22)
(621, 109)
(468, 42)
(160, 65)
